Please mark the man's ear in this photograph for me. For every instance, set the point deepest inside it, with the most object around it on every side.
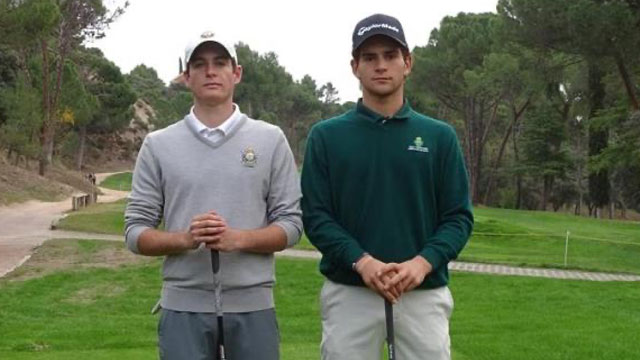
(354, 68)
(237, 74)
(408, 65)
(185, 77)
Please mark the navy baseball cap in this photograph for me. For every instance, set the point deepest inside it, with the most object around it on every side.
(378, 24)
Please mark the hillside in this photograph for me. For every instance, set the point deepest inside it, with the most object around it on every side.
(105, 153)
(18, 184)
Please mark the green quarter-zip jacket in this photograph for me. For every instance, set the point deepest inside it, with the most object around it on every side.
(394, 187)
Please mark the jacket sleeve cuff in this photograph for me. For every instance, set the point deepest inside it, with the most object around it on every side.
(434, 257)
(352, 254)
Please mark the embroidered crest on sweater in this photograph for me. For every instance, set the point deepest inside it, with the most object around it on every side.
(249, 157)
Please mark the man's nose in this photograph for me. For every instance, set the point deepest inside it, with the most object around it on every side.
(210, 70)
(380, 66)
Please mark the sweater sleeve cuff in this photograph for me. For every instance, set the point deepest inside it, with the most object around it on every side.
(434, 257)
(292, 232)
(131, 237)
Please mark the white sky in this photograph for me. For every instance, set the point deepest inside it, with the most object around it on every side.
(309, 37)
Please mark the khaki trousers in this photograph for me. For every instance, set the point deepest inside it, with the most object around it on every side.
(353, 323)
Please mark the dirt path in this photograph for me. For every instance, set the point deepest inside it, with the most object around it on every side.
(26, 225)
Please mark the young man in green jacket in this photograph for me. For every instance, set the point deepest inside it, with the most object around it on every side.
(386, 201)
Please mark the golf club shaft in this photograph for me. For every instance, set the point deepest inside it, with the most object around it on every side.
(215, 267)
(221, 353)
(388, 314)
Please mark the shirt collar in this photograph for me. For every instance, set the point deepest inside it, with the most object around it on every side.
(226, 127)
(368, 114)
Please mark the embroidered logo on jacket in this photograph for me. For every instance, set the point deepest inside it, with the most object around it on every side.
(417, 145)
(249, 157)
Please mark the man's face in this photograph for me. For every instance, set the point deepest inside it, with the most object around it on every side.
(381, 66)
(211, 75)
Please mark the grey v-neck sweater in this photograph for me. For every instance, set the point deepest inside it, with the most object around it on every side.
(249, 177)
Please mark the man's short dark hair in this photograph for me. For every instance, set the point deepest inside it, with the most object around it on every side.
(357, 52)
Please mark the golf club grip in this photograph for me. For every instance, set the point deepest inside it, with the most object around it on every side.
(215, 261)
(221, 339)
(388, 314)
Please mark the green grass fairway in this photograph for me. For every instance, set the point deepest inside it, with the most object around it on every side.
(500, 317)
(97, 308)
(536, 238)
(120, 181)
(97, 218)
(520, 238)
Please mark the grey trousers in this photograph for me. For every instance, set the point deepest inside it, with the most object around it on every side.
(193, 336)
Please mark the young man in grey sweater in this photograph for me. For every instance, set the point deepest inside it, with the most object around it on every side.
(220, 181)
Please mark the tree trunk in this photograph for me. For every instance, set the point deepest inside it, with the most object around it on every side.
(612, 210)
(518, 175)
(81, 149)
(613, 198)
(469, 131)
(629, 84)
(249, 110)
(516, 115)
(45, 132)
(46, 153)
(293, 140)
(623, 209)
(598, 138)
(546, 190)
(479, 151)
(50, 101)
(578, 210)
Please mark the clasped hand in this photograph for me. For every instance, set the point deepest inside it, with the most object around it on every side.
(393, 279)
(212, 230)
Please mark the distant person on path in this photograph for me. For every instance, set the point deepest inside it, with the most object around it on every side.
(90, 178)
(220, 181)
(386, 201)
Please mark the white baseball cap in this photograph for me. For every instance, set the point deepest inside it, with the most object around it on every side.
(206, 37)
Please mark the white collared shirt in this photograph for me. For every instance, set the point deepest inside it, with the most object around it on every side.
(219, 132)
